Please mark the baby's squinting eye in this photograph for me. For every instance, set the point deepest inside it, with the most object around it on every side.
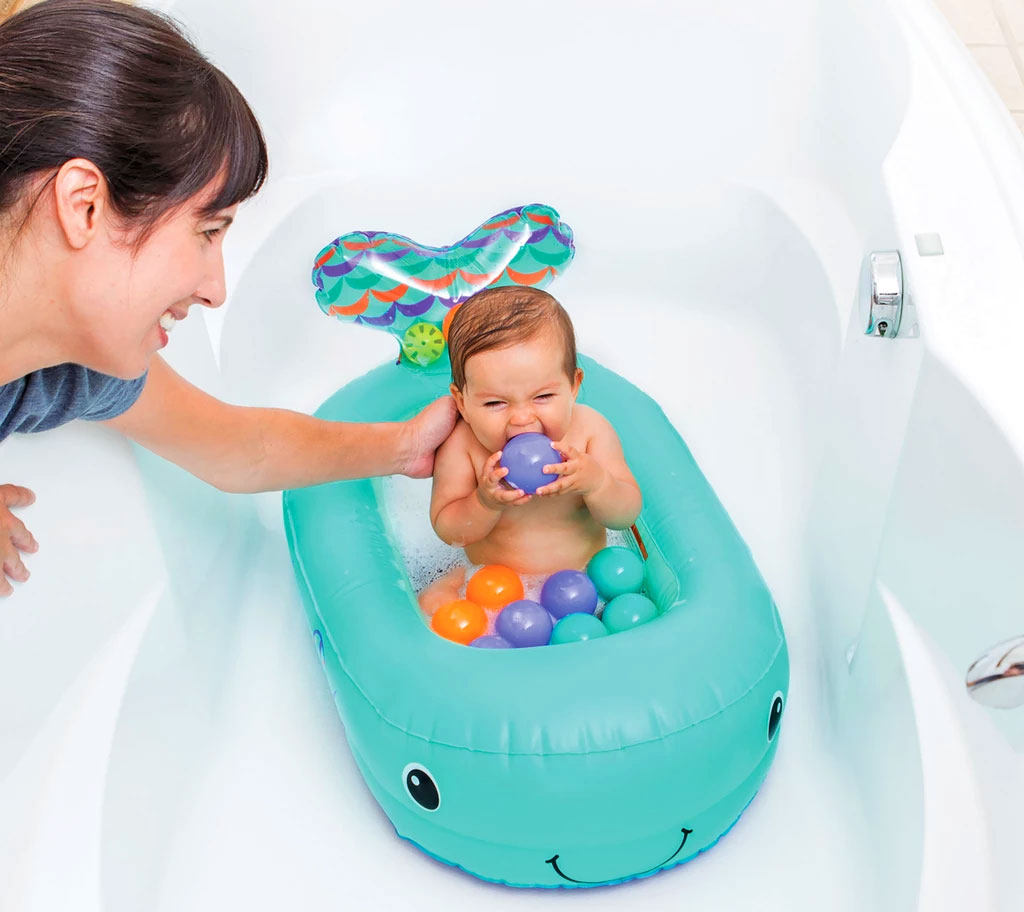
(492, 404)
(544, 397)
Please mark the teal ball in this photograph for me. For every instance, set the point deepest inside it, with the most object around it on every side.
(577, 627)
(627, 611)
(615, 571)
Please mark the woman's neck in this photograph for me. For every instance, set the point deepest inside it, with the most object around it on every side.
(33, 327)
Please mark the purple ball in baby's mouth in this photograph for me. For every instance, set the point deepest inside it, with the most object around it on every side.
(525, 456)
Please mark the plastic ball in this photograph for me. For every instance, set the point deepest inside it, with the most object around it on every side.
(460, 620)
(491, 641)
(525, 455)
(494, 586)
(524, 623)
(615, 571)
(575, 628)
(447, 322)
(423, 343)
(568, 592)
(627, 611)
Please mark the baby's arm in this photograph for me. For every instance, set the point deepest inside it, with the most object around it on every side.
(600, 474)
(465, 508)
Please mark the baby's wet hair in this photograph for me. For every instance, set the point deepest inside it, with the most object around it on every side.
(500, 317)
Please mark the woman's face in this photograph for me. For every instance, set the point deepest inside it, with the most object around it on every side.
(128, 299)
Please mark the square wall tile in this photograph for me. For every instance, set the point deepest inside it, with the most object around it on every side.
(1013, 15)
(973, 20)
(1002, 73)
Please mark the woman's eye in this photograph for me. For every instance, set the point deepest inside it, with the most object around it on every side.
(211, 233)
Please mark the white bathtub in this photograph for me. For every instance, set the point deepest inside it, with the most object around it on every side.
(167, 739)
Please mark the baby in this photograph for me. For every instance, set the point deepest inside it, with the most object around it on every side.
(513, 354)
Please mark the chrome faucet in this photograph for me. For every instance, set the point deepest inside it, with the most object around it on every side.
(997, 678)
(881, 293)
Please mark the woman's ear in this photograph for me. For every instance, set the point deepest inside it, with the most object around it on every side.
(460, 402)
(80, 193)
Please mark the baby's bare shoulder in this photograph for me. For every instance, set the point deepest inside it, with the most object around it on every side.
(592, 424)
(458, 440)
(458, 448)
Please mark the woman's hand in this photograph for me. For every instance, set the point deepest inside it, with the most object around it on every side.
(425, 433)
(580, 473)
(14, 537)
(494, 493)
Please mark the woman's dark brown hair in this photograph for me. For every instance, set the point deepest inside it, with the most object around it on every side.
(125, 89)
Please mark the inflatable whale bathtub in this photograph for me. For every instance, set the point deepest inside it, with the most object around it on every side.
(572, 765)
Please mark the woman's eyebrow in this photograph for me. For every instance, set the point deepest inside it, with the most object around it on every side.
(225, 220)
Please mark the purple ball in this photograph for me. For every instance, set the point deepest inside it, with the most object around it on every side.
(490, 641)
(525, 455)
(524, 623)
(569, 592)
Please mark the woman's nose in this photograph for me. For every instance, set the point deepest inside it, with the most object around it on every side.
(213, 290)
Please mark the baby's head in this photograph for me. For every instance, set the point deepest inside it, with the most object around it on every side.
(513, 354)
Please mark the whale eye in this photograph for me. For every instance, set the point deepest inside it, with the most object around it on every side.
(775, 715)
(421, 787)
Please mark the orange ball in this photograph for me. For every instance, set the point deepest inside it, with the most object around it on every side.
(494, 586)
(461, 621)
(447, 321)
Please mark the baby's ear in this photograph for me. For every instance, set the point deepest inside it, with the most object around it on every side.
(576, 381)
(459, 400)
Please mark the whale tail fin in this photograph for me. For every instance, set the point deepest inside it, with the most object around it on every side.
(390, 282)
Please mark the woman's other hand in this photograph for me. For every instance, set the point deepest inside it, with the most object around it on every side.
(14, 537)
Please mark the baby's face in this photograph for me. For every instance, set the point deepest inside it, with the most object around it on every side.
(518, 389)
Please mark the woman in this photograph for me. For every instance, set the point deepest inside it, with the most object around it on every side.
(124, 155)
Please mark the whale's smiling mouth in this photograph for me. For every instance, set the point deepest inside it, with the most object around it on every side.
(553, 861)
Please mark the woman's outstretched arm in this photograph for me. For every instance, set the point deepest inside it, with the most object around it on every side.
(243, 450)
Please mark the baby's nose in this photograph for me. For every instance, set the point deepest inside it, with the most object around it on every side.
(520, 417)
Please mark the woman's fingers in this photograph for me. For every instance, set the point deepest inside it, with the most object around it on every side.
(14, 537)
(22, 539)
(14, 568)
(11, 566)
(16, 496)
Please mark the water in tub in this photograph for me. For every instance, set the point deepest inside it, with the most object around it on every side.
(426, 556)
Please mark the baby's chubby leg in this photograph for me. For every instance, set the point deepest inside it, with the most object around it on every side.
(442, 591)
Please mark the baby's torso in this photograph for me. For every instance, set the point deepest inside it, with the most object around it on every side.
(547, 533)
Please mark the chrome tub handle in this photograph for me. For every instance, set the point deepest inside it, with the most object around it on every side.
(881, 293)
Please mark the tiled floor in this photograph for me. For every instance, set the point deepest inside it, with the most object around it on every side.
(994, 32)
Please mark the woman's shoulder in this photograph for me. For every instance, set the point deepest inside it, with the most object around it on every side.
(52, 396)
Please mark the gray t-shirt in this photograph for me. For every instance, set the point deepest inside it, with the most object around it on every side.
(56, 395)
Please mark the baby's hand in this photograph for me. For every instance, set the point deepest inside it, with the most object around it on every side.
(492, 492)
(580, 473)
(14, 537)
